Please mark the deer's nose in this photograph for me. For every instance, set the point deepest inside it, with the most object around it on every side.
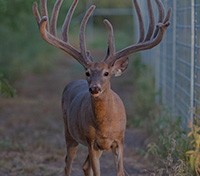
(94, 90)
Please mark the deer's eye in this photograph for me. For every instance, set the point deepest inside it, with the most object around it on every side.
(87, 74)
(106, 74)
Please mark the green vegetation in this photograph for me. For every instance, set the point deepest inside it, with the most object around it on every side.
(143, 95)
(170, 144)
(5, 88)
(176, 150)
(193, 155)
(22, 50)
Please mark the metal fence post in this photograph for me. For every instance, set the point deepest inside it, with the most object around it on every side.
(197, 61)
(192, 62)
(174, 58)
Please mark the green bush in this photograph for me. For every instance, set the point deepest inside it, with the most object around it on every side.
(176, 149)
(143, 95)
(5, 88)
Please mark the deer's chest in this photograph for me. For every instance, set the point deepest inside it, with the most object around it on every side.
(104, 140)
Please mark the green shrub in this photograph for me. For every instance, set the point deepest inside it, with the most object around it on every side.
(5, 88)
(143, 95)
(176, 150)
(193, 154)
(22, 49)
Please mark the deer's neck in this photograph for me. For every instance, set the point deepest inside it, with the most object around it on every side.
(109, 115)
(103, 106)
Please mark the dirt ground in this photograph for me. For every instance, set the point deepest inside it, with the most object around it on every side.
(31, 129)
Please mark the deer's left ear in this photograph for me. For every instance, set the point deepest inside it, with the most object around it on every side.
(119, 66)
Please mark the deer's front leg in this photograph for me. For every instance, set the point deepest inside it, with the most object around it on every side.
(118, 157)
(87, 168)
(94, 156)
(71, 152)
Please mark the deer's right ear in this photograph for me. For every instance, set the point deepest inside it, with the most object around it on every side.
(119, 66)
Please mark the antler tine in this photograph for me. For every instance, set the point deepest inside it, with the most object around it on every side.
(168, 15)
(111, 42)
(140, 20)
(44, 11)
(151, 21)
(161, 15)
(82, 33)
(65, 27)
(54, 17)
(36, 12)
(161, 10)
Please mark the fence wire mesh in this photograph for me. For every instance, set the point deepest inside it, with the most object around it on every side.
(176, 61)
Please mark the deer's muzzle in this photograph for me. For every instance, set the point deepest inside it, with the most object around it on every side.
(95, 90)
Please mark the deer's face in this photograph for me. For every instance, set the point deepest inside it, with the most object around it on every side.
(98, 75)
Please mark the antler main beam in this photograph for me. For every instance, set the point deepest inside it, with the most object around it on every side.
(154, 34)
(49, 31)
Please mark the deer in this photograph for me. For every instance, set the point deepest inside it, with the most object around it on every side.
(93, 114)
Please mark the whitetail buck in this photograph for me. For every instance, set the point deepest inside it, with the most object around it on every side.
(93, 113)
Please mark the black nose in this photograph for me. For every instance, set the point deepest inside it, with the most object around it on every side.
(94, 89)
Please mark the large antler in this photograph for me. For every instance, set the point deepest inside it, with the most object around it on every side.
(151, 39)
(49, 32)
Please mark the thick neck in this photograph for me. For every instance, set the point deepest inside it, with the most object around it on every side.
(101, 105)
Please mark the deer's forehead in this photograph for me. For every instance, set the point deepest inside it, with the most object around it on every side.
(98, 66)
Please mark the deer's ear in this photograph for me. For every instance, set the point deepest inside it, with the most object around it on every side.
(119, 66)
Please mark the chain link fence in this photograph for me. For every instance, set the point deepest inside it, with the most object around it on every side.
(176, 61)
